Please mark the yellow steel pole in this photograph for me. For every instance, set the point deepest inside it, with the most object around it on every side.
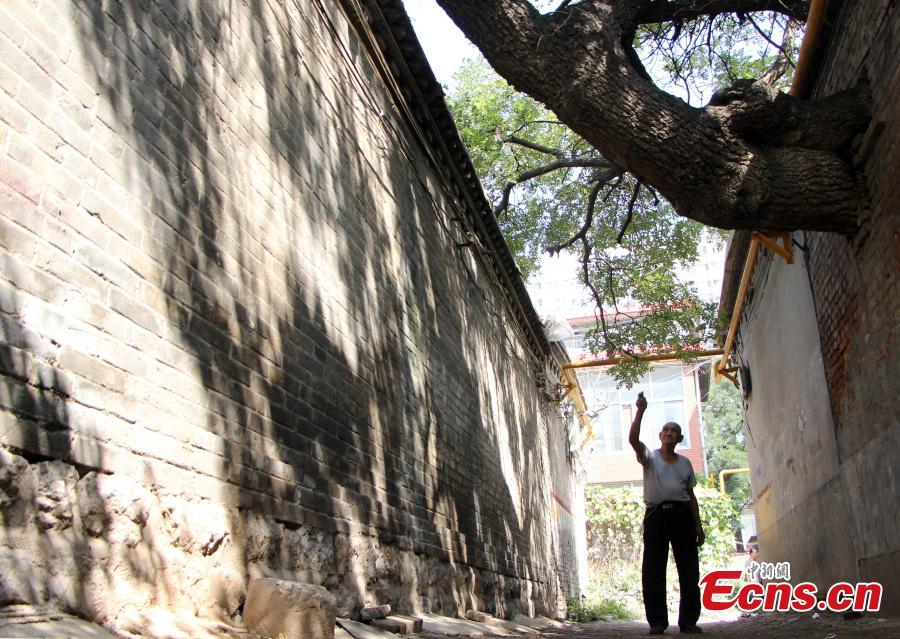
(730, 471)
(659, 357)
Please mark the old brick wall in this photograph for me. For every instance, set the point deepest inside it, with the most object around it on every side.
(244, 332)
(799, 501)
(857, 297)
(827, 499)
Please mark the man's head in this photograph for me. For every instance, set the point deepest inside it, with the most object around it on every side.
(669, 429)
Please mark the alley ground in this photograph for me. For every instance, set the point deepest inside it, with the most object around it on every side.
(29, 621)
(787, 626)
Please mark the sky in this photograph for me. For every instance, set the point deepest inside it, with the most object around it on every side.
(444, 44)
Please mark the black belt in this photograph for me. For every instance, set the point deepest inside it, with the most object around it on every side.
(666, 505)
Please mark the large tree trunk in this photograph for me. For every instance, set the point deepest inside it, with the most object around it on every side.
(752, 159)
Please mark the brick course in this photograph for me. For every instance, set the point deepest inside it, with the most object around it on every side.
(854, 285)
(229, 273)
(851, 512)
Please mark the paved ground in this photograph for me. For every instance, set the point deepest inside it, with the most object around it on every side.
(781, 625)
(31, 621)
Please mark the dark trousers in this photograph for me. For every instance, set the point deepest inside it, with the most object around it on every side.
(670, 523)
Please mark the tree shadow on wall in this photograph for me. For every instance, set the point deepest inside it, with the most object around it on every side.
(307, 279)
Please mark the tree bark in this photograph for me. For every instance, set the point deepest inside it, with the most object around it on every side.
(751, 160)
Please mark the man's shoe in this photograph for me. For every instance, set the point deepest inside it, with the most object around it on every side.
(657, 630)
(692, 630)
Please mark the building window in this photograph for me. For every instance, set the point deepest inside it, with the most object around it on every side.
(613, 408)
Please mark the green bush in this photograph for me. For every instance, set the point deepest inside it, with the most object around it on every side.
(614, 536)
(615, 516)
(605, 609)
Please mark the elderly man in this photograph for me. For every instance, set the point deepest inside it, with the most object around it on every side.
(672, 517)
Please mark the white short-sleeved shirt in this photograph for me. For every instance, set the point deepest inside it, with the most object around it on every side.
(664, 481)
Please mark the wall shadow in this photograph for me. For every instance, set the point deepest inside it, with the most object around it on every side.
(354, 372)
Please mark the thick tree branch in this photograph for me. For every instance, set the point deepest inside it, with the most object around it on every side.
(761, 114)
(715, 165)
(783, 63)
(503, 204)
(784, 55)
(528, 144)
(588, 163)
(588, 221)
(599, 312)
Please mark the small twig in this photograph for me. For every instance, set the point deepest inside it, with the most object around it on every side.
(768, 39)
(588, 221)
(631, 202)
(540, 148)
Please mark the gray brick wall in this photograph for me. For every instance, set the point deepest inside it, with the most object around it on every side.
(231, 277)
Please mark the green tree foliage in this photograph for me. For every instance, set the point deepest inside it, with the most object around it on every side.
(714, 52)
(726, 448)
(553, 192)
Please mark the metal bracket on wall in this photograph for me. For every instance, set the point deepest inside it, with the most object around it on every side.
(728, 373)
(785, 249)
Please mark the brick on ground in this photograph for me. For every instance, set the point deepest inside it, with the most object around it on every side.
(375, 612)
(399, 624)
(359, 630)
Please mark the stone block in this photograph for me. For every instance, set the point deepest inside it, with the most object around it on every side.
(512, 626)
(297, 611)
(538, 623)
(375, 612)
(475, 615)
(363, 631)
(398, 624)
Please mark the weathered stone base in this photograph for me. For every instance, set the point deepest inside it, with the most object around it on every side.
(279, 608)
(103, 546)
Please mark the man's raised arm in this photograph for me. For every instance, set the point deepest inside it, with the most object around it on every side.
(635, 432)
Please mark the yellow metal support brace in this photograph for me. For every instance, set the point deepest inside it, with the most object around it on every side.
(727, 373)
(771, 240)
(573, 390)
